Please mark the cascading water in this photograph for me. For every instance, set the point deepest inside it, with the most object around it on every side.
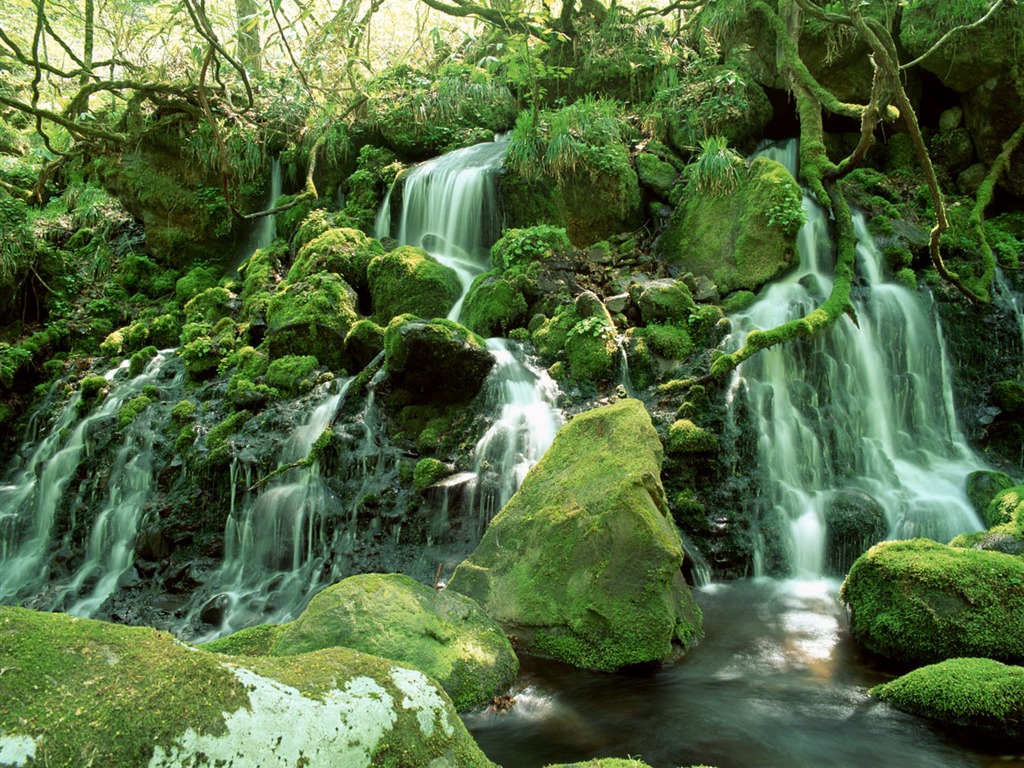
(30, 501)
(265, 230)
(276, 545)
(450, 209)
(864, 407)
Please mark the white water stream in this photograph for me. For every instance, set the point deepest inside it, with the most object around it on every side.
(866, 407)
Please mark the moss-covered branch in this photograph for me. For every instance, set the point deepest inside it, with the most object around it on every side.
(983, 198)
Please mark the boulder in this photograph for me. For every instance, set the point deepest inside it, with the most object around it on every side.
(410, 280)
(494, 305)
(583, 563)
(443, 634)
(854, 521)
(312, 317)
(664, 301)
(993, 111)
(979, 694)
(345, 252)
(436, 361)
(982, 487)
(740, 240)
(656, 174)
(132, 696)
(922, 602)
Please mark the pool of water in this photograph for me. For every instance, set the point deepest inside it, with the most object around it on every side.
(775, 682)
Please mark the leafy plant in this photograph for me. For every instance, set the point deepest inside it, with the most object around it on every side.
(716, 167)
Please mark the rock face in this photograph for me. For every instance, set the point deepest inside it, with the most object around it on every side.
(921, 601)
(854, 521)
(583, 563)
(312, 317)
(980, 694)
(132, 696)
(741, 240)
(443, 634)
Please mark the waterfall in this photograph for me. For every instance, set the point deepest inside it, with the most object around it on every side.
(276, 546)
(30, 500)
(264, 232)
(450, 209)
(865, 408)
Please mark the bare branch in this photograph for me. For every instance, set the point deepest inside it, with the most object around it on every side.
(942, 40)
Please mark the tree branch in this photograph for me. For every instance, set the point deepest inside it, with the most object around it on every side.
(942, 40)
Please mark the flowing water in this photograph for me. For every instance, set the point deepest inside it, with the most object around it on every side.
(36, 490)
(865, 407)
(265, 230)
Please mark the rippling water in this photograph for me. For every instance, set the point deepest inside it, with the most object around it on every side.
(776, 682)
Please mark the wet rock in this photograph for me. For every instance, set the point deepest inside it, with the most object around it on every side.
(212, 612)
(584, 563)
(982, 487)
(410, 280)
(854, 521)
(663, 301)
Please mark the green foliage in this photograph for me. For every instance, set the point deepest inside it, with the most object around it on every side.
(592, 351)
(194, 282)
(551, 336)
(93, 386)
(140, 359)
(578, 138)
(523, 247)
(716, 168)
(977, 693)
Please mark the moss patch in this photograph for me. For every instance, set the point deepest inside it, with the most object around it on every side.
(410, 280)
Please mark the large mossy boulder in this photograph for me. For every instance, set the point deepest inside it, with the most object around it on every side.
(664, 301)
(312, 317)
(410, 280)
(435, 361)
(494, 305)
(979, 694)
(583, 563)
(922, 602)
(443, 634)
(80, 692)
(345, 252)
(1005, 517)
(739, 240)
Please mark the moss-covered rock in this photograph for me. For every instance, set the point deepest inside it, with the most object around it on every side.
(436, 361)
(583, 564)
(429, 471)
(209, 306)
(364, 342)
(441, 633)
(686, 437)
(345, 252)
(529, 245)
(741, 240)
(131, 696)
(494, 305)
(854, 521)
(982, 487)
(292, 375)
(592, 350)
(980, 694)
(312, 317)
(410, 280)
(656, 174)
(664, 301)
(923, 602)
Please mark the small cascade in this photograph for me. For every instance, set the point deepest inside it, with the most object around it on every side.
(865, 409)
(30, 500)
(450, 210)
(523, 430)
(276, 546)
(264, 232)
(1012, 301)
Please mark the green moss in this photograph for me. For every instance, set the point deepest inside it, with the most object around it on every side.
(592, 351)
(980, 694)
(217, 439)
(523, 247)
(583, 563)
(131, 410)
(409, 280)
(204, 347)
(922, 601)
(551, 336)
(346, 252)
(208, 306)
(429, 471)
(738, 301)
(292, 374)
(670, 341)
(442, 633)
(183, 412)
(686, 437)
(740, 241)
(195, 281)
(287, 222)
(164, 331)
(312, 317)
(364, 342)
(251, 641)
(140, 359)
(494, 306)
(113, 344)
(93, 387)
(1009, 395)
